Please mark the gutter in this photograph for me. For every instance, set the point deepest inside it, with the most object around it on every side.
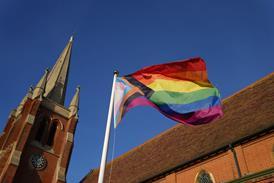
(235, 160)
(258, 176)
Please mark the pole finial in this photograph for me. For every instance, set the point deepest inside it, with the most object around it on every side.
(116, 72)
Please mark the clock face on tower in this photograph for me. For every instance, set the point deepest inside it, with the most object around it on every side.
(38, 161)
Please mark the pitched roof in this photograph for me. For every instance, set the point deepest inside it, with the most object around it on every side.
(246, 112)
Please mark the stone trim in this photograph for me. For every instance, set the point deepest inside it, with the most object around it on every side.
(12, 113)
(15, 159)
(44, 148)
(56, 108)
(62, 174)
(268, 173)
(30, 119)
(70, 137)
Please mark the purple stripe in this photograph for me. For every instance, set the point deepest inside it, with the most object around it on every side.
(196, 118)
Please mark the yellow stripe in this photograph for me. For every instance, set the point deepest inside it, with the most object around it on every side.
(177, 86)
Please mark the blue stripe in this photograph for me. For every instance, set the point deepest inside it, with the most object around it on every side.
(192, 107)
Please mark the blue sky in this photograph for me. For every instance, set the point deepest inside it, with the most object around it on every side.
(236, 38)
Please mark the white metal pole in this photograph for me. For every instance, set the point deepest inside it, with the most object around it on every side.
(107, 133)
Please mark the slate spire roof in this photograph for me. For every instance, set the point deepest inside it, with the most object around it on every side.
(58, 76)
(53, 85)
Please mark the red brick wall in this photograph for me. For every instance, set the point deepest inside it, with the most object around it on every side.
(25, 171)
(257, 155)
(253, 156)
(221, 166)
(22, 135)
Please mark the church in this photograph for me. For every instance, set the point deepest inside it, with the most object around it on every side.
(37, 141)
(236, 148)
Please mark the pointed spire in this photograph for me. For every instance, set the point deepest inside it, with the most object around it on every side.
(58, 77)
(41, 86)
(21, 106)
(22, 103)
(71, 39)
(30, 92)
(74, 104)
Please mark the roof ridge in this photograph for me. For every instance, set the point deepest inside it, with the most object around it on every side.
(249, 86)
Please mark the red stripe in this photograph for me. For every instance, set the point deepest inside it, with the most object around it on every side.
(194, 76)
(168, 69)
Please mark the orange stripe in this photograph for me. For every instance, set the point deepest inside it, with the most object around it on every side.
(195, 76)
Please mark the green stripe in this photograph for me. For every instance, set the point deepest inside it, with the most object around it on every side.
(168, 97)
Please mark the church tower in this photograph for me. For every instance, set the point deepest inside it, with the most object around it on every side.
(37, 142)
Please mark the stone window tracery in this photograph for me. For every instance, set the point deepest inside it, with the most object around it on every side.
(204, 177)
(47, 130)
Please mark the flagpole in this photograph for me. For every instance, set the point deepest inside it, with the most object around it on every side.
(107, 133)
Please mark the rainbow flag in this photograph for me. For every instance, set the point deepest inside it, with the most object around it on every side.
(179, 90)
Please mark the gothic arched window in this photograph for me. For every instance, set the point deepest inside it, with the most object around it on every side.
(42, 126)
(52, 132)
(204, 177)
